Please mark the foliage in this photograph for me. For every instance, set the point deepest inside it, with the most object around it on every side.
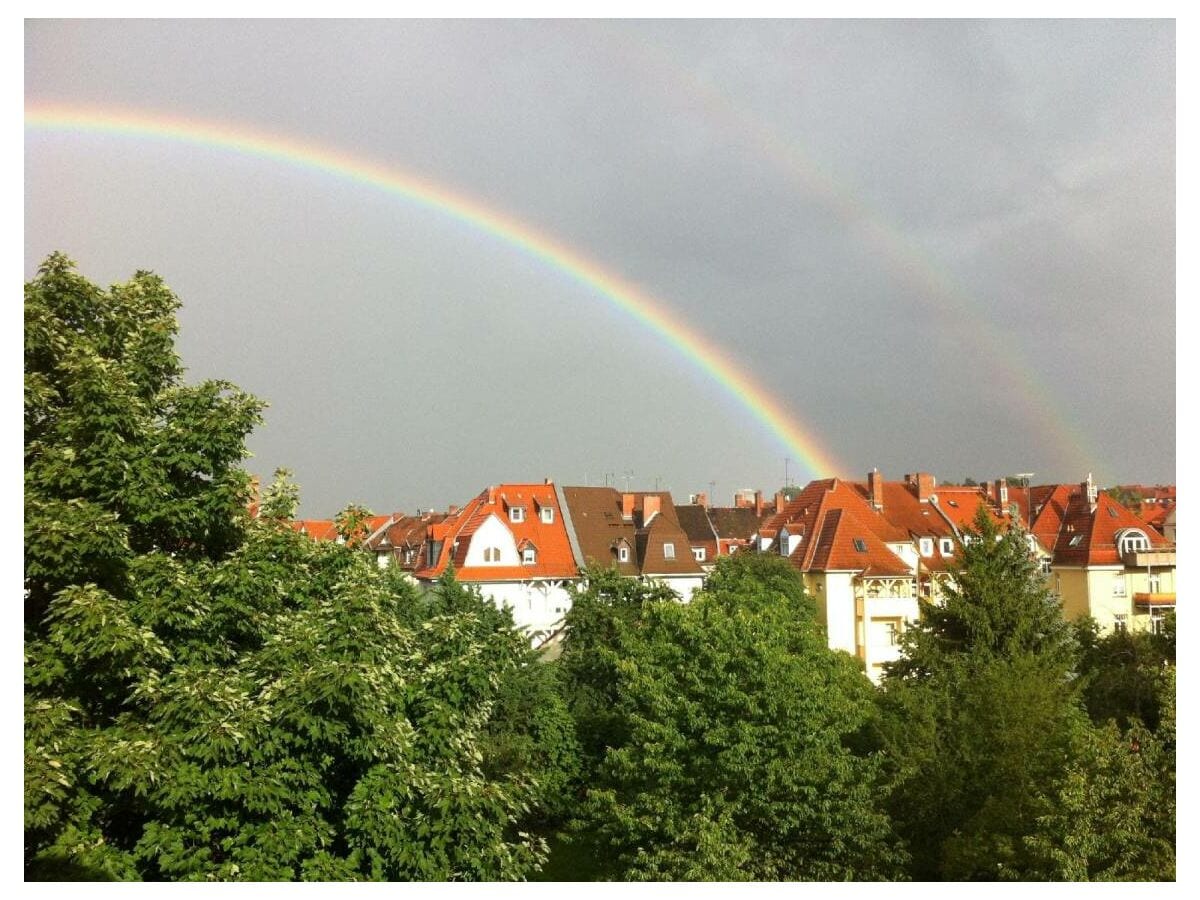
(998, 771)
(1123, 673)
(213, 697)
(353, 524)
(996, 605)
(281, 499)
(1112, 817)
(727, 754)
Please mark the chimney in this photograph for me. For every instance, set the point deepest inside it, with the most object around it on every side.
(651, 506)
(491, 496)
(452, 509)
(925, 484)
(549, 480)
(1089, 490)
(702, 499)
(875, 486)
(1002, 493)
(780, 502)
(758, 504)
(627, 507)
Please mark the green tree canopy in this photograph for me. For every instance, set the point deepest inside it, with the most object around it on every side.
(212, 696)
(731, 758)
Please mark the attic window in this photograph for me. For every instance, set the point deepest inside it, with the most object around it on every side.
(529, 556)
(953, 503)
(547, 515)
(946, 546)
(1132, 541)
(860, 545)
(927, 546)
(1112, 512)
(491, 554)
(698, 552)
(516, 514)
(668, 551)
(623, 554)
(1076, 540)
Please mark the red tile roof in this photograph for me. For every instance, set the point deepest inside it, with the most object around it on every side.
(554, 556)
(1078, 534)
(317, 529)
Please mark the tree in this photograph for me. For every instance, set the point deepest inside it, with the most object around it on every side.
(731, 754)
(210, 696)
(998, 771)
(996, 605)
(978, 714)
(1123, 673)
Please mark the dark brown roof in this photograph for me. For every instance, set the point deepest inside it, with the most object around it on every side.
(600, 528)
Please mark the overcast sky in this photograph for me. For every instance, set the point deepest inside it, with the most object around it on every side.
(942, 246)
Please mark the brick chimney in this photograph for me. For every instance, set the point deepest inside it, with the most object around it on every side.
(758, 504)
(780, 502)
(700, 499)
(651, 507)
(627, 506)
(1001, 494)
(924, 482)
(875, 487)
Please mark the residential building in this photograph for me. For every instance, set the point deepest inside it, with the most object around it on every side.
(1105, 561)
(511, 543)
(637, 533)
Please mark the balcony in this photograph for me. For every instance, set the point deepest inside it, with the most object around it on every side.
(1153, 599)
(1156, 559)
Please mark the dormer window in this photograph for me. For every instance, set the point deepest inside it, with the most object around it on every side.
(529, 556)
(946, 546)
(926, 546)
(1133, 541)
(516, 514)
(547, 515)
(623, 553)
(698, 552)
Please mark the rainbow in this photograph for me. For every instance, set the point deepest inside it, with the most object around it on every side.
(649, 312)
(1013, 374)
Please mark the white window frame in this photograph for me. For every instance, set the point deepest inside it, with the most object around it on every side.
(1133, 541)
(529, 556)
(926, 546)
(547, 515)
(516, 514)
(623, 553)
(668, 550)
(1118, 585)
(699, 553)
(946, 546)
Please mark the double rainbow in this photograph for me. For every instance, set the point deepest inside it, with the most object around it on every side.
(649, 312)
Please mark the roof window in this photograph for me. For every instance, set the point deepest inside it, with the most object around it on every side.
(668, 551)
(516, 514)
(860, 545)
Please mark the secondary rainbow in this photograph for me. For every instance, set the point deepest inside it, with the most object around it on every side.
(652, 313)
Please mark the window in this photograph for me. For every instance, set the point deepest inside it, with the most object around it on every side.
(698, 552)
(1046, 565)
(1119, 586)
(892, 629)
(668, 551)
(1133, 541)
(946, 546)
(529, 556)
(491, 554)
(1152, 584)
(623, 554)
(1120, 622)
(1075, 541)
(548, 515)
(927, 546)
(516, 514)
(860, 545)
